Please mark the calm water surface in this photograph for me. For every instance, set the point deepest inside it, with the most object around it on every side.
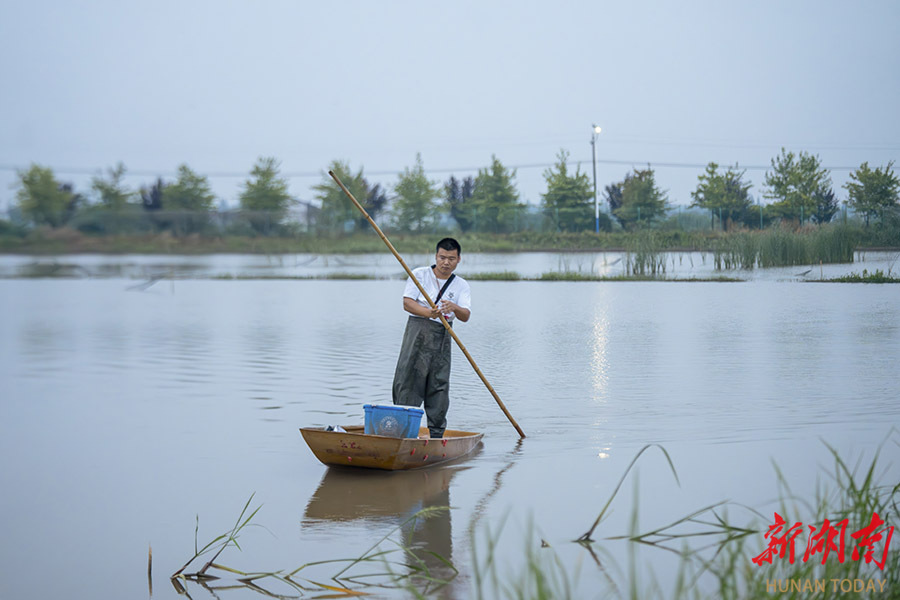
(680, 265)
(125, 414)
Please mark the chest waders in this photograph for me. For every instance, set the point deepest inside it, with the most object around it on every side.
(423, 369)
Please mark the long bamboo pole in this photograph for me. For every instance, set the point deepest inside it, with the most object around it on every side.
(430, 302)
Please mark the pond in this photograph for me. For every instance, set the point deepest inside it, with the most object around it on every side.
(130, 416)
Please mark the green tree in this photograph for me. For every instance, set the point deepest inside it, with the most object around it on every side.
(457, 194)
(113, 193)
(265, 195)
(44, 200)
(642, 202)
(826, 207)
(613, 195)
(414, 204)
(151, 198)
(871, 192)
(724, 194)
(190, 192)
(338, 211)
(569, 199)
(115, 211)
(187, 202)
(375, 204)
(495, 199)
(795, 182)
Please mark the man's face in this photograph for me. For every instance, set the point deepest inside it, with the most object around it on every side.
(445, 262)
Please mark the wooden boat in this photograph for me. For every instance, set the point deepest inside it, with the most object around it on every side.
(354, 448)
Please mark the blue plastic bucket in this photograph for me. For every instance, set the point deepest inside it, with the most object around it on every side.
(393, 421)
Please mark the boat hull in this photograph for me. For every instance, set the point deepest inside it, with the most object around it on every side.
(354, 448)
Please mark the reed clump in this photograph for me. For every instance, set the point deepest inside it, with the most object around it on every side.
(833, 244)
(781, 247)
(736, 251)
(646, 254)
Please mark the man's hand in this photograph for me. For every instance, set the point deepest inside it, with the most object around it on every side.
(444, 308)
(414, 308)
(447, 307)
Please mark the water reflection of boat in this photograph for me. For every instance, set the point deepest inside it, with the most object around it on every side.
(349, 495)
(353, 448)
(345, 495)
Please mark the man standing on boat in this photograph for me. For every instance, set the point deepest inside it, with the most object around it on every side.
(423, 368)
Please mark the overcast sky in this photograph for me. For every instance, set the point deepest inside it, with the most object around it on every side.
(217, 84)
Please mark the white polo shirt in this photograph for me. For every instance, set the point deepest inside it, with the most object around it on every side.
(457, 292)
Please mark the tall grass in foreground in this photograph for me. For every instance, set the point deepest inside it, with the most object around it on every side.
(854, 495)
(397, 566)
(543, 576)
(716, 554)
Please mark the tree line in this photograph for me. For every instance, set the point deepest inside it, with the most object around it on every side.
(798, 186)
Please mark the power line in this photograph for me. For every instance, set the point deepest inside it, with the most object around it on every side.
(525, 166)
(676, 165)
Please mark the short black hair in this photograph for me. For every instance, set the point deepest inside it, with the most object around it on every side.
(450, 245)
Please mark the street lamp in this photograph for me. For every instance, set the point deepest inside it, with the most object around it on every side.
(594, 133)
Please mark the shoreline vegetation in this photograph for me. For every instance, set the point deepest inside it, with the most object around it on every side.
(878, 276)
(501, 276)
(67, 272)
(774, 246)
(647, 253)
(55, 271)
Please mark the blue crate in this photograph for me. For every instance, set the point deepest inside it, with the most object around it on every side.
(393, 421)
